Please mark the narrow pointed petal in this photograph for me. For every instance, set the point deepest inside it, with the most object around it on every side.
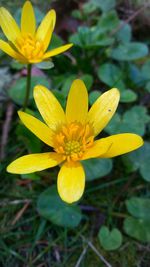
(40, 129)
(49, 107)
(57, 51)
(103, 109)
(28, 22)
(77, 102)
(121, 144)
(71, 182)
(9, 25)
(34, 162)
(45, 30)
(5, 47)
(99, 148)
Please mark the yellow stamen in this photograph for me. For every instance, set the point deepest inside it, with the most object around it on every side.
(29, 47)
(72, 140)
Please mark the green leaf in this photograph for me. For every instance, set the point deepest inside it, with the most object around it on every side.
(93, 96)
(97, 168)
(67, 84)
(110, 240)
(89, 38)
(145, 70)
(108, 22)
(140, 159)
(52, 208)
(137, 228)
(56, 41)
(139, 207)
(133, 120)
(125, 33)
(128, 96)
(88, 80)
(129, 51)
(31, 176)
(105, 5)
(45, 65)
(30, 141)
(17, 91)
(111, 75)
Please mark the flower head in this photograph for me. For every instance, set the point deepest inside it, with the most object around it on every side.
(28, 44)
(71, 135)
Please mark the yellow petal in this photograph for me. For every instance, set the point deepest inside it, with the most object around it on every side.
(99, 148)
(9, 25)
(28, 22)
(77, 102)
(49, 107)
(57, 51)
(71, 182)
(121, 144)
(103, 109)
(40, 129)
(10, 51)
(45, 30)
(34, 162)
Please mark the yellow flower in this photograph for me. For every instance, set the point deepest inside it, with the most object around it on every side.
(28, 44)
(71, 135)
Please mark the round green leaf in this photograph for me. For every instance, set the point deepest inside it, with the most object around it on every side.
(133, 120)
(110, 240)
(125, 33)
(111, 75)
(137, 228)
(105, 5)
(129, 51)
(52, 208)
(128, 96)
(140, 159)
(18, 90)
(45, 65)
(97, 168)
(139, 207)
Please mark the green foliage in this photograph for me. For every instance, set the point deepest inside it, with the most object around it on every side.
(104, 55)
(101, 168)
(139, 160)
(129, 51)
(51, 207)
(139, 207)
(137, 228)
(110, 240)
(17, 91)
(133, 120)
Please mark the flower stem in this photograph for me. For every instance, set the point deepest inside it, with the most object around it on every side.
(28, 86)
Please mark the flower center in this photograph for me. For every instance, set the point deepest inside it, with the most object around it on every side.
(72, 140)
(29, 47)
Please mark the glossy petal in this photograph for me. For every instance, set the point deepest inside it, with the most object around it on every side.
(103, 109)
(121, 144)
(28, 22)
(77, 102)
(45, 30)
(71, 182)
(40, 129)
(34, 162)
(10, 51)
(99, 148)
(49, 107)
(9, 25)
(57, 51)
